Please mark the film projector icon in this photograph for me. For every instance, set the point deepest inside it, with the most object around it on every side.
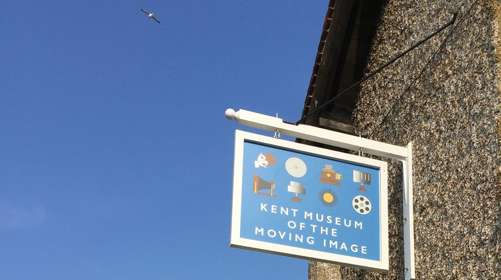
(259, 185)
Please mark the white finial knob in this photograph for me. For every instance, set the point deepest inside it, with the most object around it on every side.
(230, 114)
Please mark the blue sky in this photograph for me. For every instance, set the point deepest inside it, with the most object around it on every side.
(115, 156)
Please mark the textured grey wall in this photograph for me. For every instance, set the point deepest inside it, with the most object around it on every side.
(452, 115)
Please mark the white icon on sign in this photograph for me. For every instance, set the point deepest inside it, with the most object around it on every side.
(264, 160)
(297, 189)
(361, 205)
(362, 178)
(296, 167)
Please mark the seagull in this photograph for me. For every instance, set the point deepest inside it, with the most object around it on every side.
(150, 15)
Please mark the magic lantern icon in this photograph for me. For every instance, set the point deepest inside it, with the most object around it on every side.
(329, 176)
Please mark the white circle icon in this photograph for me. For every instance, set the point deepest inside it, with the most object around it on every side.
(361, 204)
(295, 167)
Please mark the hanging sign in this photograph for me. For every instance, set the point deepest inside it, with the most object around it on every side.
(305, 201)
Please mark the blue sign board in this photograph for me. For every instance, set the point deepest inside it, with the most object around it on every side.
(309, 202)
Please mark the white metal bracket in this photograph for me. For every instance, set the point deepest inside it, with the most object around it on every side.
(353, 143)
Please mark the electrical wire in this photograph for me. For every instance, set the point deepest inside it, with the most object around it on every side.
(370, 75)
(425, 67)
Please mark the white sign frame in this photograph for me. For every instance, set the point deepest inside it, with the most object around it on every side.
(237, 241)
(353, 143)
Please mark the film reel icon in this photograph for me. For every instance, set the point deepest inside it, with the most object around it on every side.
(361, 204)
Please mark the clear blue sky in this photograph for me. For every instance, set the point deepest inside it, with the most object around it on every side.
(115, 156)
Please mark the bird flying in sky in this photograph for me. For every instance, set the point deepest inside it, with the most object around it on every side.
(150, 15)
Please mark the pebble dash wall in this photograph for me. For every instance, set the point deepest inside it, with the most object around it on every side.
(445, 98)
